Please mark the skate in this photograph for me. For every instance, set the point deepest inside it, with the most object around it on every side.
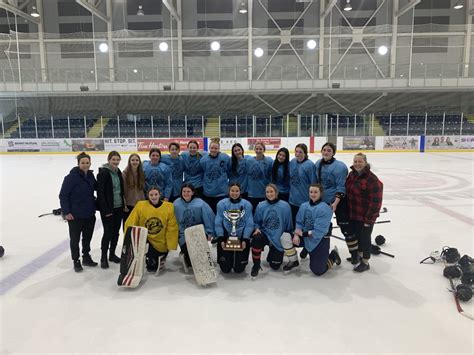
(303, 254)
(161, 265)
(362, 267)
(290, 266)
(255, 270)
(334, 256)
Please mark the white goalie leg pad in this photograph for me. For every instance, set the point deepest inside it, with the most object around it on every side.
(287, 244)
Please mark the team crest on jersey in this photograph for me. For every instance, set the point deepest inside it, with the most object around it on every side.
(188, 219)
(176, 171)
(194, 168)
(156, 178)
(256, 173)
(154, 225)
(308, 220)
(272, 222)
(213, 173)
(295, 178)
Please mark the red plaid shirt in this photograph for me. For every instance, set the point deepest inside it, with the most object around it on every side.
(364, 196)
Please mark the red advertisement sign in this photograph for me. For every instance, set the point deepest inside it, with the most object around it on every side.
(144, 145)
(270, 143)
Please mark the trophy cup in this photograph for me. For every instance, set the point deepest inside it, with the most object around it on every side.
(233, 243)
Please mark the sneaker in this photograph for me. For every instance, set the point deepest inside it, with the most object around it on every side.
(255, 269)
(362, 267)
(77, 266)
(334, 256)
(291, 265)
(104, 264)
(114, 258)
(303, 254)
(87, 261)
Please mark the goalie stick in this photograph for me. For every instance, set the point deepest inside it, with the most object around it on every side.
(375, 248)
(456, 300)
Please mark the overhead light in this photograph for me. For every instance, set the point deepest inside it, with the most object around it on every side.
(140, 11)
(348, 6)
(163, 46)
(258, 52)
(311, 44)
(34, 12)
(459, 5)
(215, 46)
(243, 8)
(103, 47)
(383, 50)
(135, 71)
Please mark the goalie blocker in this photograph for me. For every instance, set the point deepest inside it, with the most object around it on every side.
(133, 257)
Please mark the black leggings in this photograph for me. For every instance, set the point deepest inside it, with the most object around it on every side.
(363, 235)
(111, 230)
(236, 260)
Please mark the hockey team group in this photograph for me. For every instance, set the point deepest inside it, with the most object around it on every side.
(282, 203)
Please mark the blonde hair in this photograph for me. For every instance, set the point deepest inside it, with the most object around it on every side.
(363, 156)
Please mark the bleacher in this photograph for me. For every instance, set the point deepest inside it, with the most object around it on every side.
(56, 128)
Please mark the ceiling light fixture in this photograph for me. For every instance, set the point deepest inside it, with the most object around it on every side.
(311, 44)
(215, 46)
(348, 6)
(459, 5)
(163, 46)
(383, 50)
(243, 8)
(103, 47)
(140, 11)
(258, 52)
(34, 12)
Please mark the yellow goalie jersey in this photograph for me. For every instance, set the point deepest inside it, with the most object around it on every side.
(160, 221)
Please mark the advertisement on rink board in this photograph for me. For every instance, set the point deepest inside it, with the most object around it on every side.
(449, 142)
(120, 144)
(227, 143)
(466, 142)
(23, 145)
(56, 145)
(401, 143)
(88, 145)
(144, 144)
(270, 143)
(359, 143)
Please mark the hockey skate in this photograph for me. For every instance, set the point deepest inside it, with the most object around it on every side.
(290, 266)
(334, 256)
(255, 270)
(161, 265)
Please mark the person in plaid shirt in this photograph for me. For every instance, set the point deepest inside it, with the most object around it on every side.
(364, 198)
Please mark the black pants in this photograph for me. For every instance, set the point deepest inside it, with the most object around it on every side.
(212, 201)
(294, 212)
(152, 258)
(229, 260)
(76, 227)
(274, 256)
(184, 249)
(111, 230)
(363, 235)
(318, 258)
(199, 191)
(255, 201)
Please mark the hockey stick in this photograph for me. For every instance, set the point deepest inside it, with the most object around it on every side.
(383, 210)
(44, 214)
(375, 248)
(379, 222)
(456, 300)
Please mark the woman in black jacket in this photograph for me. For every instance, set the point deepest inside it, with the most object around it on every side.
(78, 206)
(111, 204)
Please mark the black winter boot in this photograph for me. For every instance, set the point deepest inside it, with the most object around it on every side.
(77, 266)
(87, 261)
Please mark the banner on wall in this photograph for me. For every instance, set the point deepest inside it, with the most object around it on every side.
(359, 143)
(227, 143)
(466, 142)
(401, 143)
(270, 143)
(88, 145)
(22, 145)
(56, 145)
(120, 144)
(442, 142)
(145, 145)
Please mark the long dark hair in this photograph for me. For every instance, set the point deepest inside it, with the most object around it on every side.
(304, 148)
(131, 180)
(276, 165)
(198, 155)
(235, 161)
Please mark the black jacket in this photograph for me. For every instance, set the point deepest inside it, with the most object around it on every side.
(105, 190)
(77, 194)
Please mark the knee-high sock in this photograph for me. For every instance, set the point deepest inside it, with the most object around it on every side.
(289, 248)
(352, 243)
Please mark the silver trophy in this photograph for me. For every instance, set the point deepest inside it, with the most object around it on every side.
(233, 243)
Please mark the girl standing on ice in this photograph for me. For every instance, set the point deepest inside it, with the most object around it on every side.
(301, 176)
(159, 218)
(272, 219)
(238, 170)
(78, 206)
(133, 184)
(190, 211)
(259, 174)
(193, 172)
(281, 173)
(236, 260)
(215, 179)
(157, 174)
(175, 162)
(312, 225)
(111, 205)
(364, 199)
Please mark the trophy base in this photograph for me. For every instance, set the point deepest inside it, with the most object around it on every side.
(233, 245)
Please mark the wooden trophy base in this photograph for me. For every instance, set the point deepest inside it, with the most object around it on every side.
(233, 244)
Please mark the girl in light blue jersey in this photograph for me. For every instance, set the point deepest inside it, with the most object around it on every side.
(260, 174)
(281, 173)
(176, 164)
(193, 172)
(157, 174)
(238, 170)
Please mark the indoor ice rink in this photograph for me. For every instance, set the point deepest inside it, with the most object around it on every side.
(393, 79)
